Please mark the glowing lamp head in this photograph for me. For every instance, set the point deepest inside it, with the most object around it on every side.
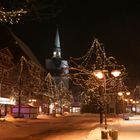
(116, 73)
(134, 102)
(99, 74)
(128, 93)
(126, 100)
(120, 93)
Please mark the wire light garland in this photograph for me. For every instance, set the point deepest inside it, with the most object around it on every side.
(11, 17)
(81, 72)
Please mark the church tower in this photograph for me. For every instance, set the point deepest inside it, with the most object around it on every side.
(57, 65)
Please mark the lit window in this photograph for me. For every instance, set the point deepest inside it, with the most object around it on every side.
(54, 54)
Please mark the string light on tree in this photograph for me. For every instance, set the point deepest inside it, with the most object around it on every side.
(82, 73)
(11, 11)
(11, 17)
(83, 68)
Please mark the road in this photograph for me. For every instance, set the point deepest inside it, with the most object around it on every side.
(60, 128)
(67, 128)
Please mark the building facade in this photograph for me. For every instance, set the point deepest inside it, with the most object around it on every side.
(21, 75)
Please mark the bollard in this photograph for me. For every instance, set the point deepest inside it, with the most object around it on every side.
(104, 134)
(114, 134)
(110, 133)
(54, 113)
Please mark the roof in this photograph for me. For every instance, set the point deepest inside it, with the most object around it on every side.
(17, 47)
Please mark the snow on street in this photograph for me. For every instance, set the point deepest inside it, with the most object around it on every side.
(127, 129)
(48, 128)
(67, 128)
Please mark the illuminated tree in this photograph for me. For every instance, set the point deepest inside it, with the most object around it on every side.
(82, 73)
(58, 94)
(64, 96)
(51, 90)
(11, 11)
(30, 82)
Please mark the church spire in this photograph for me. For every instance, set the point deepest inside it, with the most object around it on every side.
(57, 47)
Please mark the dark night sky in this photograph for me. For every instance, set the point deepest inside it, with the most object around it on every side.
(116, 25)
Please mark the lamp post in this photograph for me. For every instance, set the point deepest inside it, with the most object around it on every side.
(101, 74)
(136, 102)
(116, 73)
(123, 95)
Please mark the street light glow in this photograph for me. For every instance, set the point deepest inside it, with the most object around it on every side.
(127, 93)
(126, 100)
(116, 73)
(134, 102)
(99, 74)
(120, 93)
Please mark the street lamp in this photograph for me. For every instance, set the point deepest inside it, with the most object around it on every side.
(123, 95)
(101, 74)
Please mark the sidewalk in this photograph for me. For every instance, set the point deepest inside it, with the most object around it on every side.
(127, 130)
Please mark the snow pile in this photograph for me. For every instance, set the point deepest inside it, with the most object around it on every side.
(43, 116)
(66, 113)
(9, 117)
(89, 115)
(94, 134)
(135, 117)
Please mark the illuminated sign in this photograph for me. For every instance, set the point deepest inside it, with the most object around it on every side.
(9, 101)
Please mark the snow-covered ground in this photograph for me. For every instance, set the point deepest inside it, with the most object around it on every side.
(127, 129)
(80, 127)
(48, 128)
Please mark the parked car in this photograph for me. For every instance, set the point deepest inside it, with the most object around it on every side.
(126, 117)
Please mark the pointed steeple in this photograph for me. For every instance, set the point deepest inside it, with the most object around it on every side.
(57, 39)
(57, 47)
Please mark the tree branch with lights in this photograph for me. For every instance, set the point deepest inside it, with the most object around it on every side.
(82, 73)
(58, 94)
(12, 11)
